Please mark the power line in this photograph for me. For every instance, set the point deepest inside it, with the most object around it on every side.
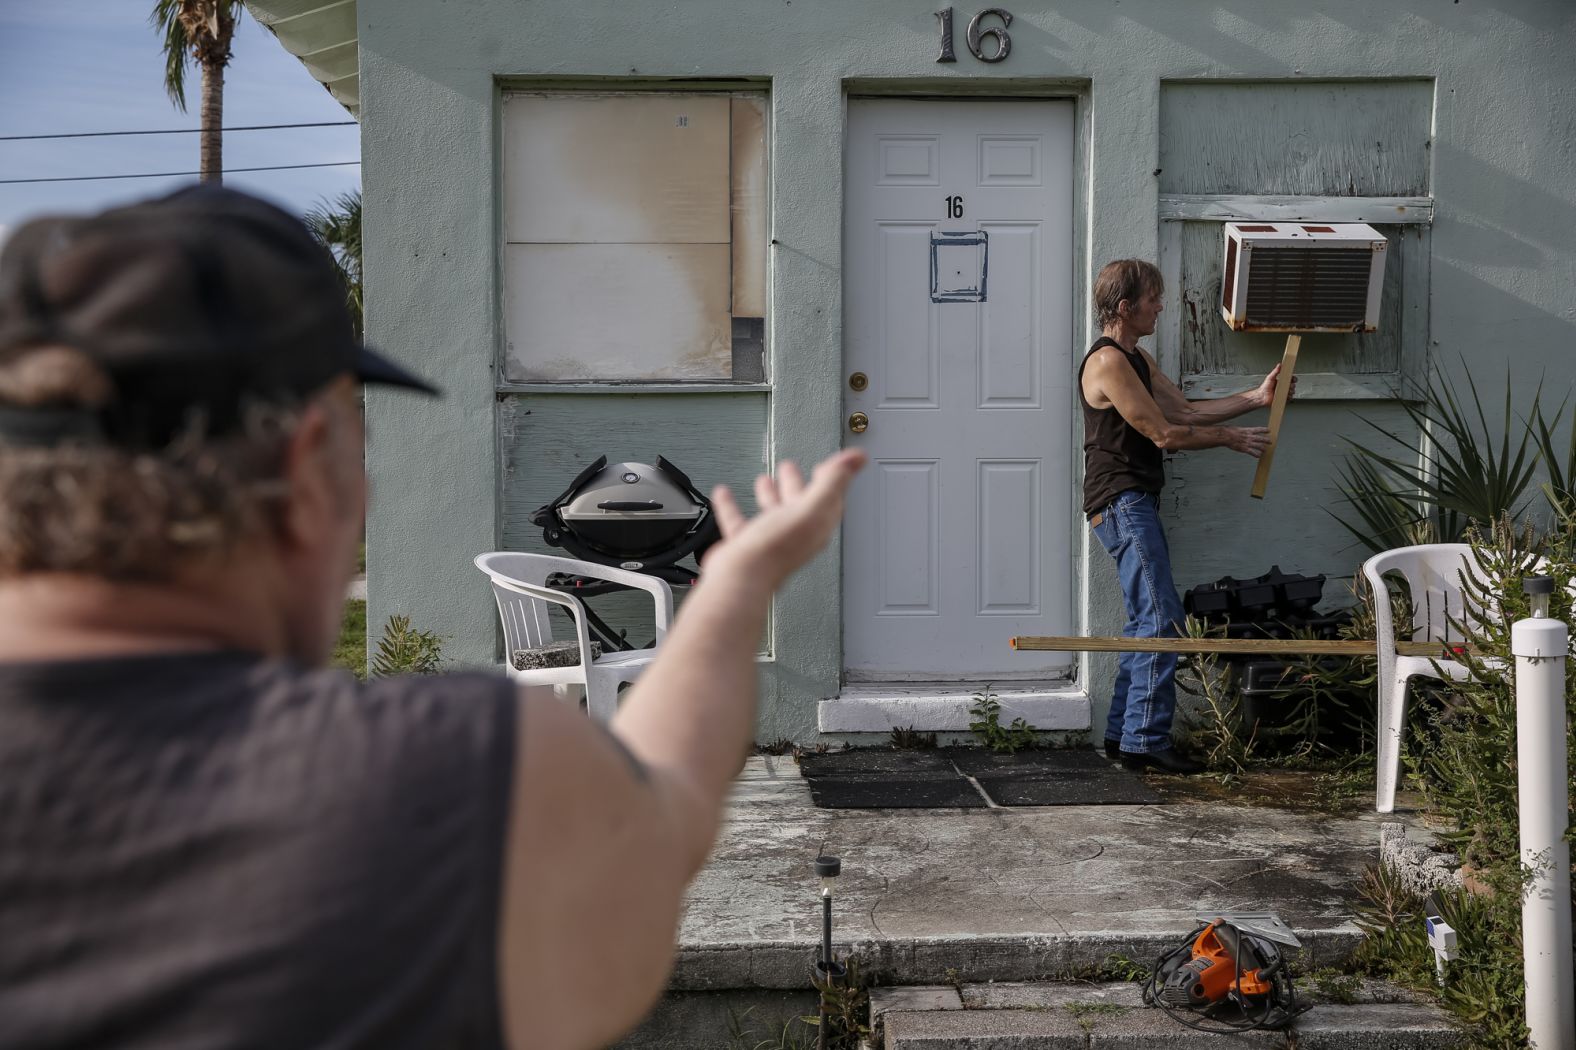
(174, 131)
(175, 174)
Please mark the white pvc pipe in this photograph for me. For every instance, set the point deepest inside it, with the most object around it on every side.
(1540, 646)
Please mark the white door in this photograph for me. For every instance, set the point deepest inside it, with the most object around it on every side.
(957, 291)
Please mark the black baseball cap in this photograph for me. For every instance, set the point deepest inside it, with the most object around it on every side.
(193, 303)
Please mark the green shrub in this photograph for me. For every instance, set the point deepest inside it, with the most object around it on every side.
(910, 739)
(1483, 985)
(847, 1008)
(405, 650)
(1217, 730)
(1461, 753)
(987, 726)
(350, 652)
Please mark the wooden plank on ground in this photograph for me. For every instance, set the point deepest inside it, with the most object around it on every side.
(1234, 646)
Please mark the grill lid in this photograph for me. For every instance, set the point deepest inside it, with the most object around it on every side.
(622, 491)
(633, 515)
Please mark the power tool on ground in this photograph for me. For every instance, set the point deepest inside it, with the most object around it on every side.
(1228, 976)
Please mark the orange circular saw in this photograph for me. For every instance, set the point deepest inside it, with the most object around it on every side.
(1229, 975)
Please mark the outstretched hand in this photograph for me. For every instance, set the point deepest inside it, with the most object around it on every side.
(794, 521)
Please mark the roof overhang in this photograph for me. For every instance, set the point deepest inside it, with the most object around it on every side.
(322, 34)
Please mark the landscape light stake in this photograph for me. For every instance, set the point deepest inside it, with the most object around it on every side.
(1540, 645)
(1441, 938)
(826, 869)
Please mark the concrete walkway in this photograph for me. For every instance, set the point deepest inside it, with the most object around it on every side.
(1003, 894)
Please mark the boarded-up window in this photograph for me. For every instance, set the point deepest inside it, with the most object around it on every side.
(634, 237)
(1210, 348)
(1306, 151)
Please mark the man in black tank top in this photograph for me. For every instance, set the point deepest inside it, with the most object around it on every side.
(208, 840)
(1133, 414)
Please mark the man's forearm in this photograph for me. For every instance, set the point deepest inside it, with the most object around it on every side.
(1220, 409)
(1189, 436)
(693, 711)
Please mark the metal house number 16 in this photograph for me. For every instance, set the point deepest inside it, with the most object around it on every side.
(975, 36)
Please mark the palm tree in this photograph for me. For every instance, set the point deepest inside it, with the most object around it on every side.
(337, 224)
(200, 30)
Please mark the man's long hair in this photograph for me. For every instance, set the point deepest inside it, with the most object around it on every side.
(120, 514)
(1129, 279)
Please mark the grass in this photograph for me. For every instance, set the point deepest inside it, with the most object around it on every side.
(350, 652)
(1086, 1012)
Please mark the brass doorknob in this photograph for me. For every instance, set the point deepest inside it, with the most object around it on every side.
(858, 422)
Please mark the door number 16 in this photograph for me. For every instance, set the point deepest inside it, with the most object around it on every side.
(954, 207)
(976, 35)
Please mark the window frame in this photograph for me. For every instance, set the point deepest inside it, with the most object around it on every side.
(755, 89)
(1175, 210)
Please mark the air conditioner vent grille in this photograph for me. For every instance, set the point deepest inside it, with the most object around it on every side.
(1323, 287)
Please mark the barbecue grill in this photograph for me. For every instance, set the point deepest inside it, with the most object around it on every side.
(633, 515)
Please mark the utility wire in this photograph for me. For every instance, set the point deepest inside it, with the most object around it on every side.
(174, 174)
(173, 131)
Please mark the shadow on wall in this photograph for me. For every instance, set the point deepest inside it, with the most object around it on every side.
(1486, 326)
(1215, 528)
(1515, 222)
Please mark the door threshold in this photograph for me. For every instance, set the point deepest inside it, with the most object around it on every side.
(877, 707)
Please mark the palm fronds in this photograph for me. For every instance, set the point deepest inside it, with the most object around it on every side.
(192, 31)
(1560, 463)
(1455, 471)
(166, 21)
(337, 224)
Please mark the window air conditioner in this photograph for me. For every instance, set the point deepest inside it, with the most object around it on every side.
(1302, 277)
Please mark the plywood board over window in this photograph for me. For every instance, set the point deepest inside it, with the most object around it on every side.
(634, 237)
(1330, 138)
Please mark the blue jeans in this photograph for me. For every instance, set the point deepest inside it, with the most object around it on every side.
(1145, 698)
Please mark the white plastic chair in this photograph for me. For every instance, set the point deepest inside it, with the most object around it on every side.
(519, 582)
(1433, 574)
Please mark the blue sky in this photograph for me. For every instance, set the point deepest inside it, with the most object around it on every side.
(95, 65)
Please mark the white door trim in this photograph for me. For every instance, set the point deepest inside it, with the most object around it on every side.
(876, 708)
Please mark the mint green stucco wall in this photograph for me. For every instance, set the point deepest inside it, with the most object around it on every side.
(1503, 245)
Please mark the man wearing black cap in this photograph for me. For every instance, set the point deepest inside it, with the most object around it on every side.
(205, 839)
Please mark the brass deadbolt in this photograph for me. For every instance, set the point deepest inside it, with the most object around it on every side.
(858, 422)
(858, 381)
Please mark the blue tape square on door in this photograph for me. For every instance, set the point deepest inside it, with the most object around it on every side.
(962, 277)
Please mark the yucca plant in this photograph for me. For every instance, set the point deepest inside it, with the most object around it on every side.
(1385, 515)
(1558, 460)
(1457, 469)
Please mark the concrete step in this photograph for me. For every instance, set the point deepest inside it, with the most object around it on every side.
(1049, 1016)
(941, 897)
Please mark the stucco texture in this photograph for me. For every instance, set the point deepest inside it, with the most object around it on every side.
(1503, 268)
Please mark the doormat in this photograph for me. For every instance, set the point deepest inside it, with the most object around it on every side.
(894, 791)
(882, 778)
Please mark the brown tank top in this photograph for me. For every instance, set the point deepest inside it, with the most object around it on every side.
(222, 851)
(1117, 458)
